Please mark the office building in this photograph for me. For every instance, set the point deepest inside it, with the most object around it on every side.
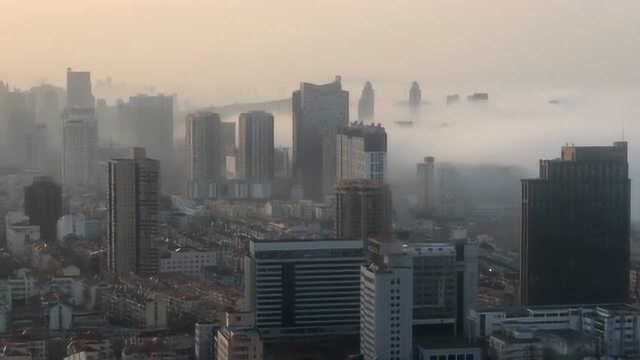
(427, 184)
(255, 147)
(366, 104)
(19, 120)
(316, 109)
(363, 209)
(37, 147)
(573, 216)
(79, 94)
(79, 148)
(386, 315)
(362, 153)
(133, 202)
(48, 102)
(149, 118)
(43, 206)
(304, 287)
(205, 154)
(415, 96)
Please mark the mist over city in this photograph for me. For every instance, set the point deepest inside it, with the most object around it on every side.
(339, 180)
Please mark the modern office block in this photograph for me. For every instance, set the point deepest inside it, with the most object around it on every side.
(575, 215)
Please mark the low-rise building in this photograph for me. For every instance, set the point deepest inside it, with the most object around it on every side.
(188, 261)
(239, 339)
(135, 309)
(20, 235)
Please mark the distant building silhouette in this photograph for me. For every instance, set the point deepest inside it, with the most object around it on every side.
(415, 96)
(574, 217)
(205, 154)
(133, 201)
(43, 206)
(149, 119)
(317, 109)
(80, 132)
(366, 104)
(427, 184)
(256, 147)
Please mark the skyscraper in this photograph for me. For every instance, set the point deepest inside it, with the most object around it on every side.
(133, 201)
(79, 95)
(205, 154)
(38, 148)
(78, 148)
(386, 315)
(80, 132)
(20, 122)
(316, 108)
(150, 120)
(43, 206)
(363, 209)
(256, 147)
(366, 103)
(574, 217)
(362, 152)
(415, 96)
(427, 184)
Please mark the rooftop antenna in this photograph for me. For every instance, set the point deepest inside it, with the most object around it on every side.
(623, 130)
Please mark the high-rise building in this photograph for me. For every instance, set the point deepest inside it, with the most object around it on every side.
(363, 209)
(282, 162)
(150, 120)
(316, 108)
(48, 101)
(229, 137)
(304, 287)
(366, 103)
(238, 339)
(79, 148)
(79, 95)
(38, 149)
(574, 215)
(415, 96)
(362, 153)
(80, 132)
(43, 206)
(255, 147)
(20, 122)
(205, 154)
(133, 201)
(386, 315)
(427, 184)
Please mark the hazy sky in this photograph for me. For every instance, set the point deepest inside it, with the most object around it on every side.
(225, 50)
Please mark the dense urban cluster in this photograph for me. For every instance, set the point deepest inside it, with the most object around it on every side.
(123, 239)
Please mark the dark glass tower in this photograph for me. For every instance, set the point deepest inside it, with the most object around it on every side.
(43, 205)
(575, 228)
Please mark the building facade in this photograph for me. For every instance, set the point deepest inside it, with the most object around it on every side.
(316, 110)
(304, 287)
(427, 184)
(133, 201)
(366, 104)
(361, 153)
(256, 147)
(574, 215)
(363, 209)
(43, 206)
(386, 315)
(205, 154)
